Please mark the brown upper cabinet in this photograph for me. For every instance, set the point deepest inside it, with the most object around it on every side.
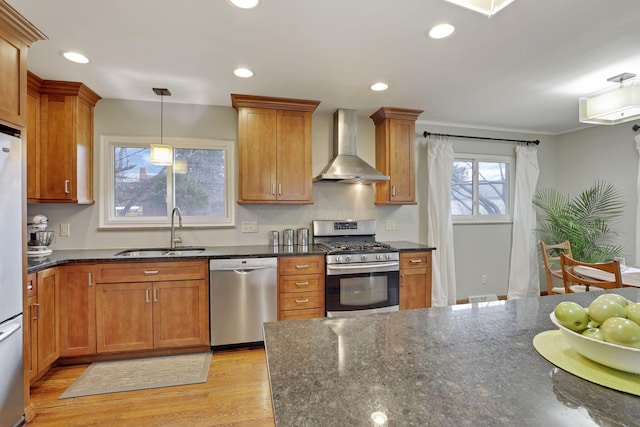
(395, 155)
(60, 141)
(274, 149)
(16, 35)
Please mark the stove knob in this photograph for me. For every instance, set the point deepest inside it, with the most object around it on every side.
(379, 257)
(363, 258)
(338, 258)
(388, 256)
(347, 258)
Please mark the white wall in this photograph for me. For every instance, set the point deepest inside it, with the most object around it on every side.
(566, 161)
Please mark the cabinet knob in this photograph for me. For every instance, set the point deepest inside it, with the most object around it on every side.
(393, 190)
(66, 186)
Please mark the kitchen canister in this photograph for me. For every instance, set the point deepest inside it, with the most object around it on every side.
(303, 236)
(287, 237)
(274, 238)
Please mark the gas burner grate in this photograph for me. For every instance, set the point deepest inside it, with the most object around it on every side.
(337, 247)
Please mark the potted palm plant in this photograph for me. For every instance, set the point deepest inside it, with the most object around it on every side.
(583, 220)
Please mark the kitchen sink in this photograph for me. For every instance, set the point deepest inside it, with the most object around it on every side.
(158, 252)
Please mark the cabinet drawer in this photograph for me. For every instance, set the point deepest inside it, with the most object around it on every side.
(301, 300)
(301, 314)
(151, 271)
(415, 260)
(301, 265)
(302, 283)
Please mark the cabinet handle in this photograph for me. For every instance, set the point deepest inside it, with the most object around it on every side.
(90, 278)
(302, 266)
(302, 301)
(273, 189)
(150, 272)
(29, 286)
(36, 309)
(402, 280)
(155, 295)
(415, 261)
(393, 190)
(280, 189)
(146, 295)
(66, 186)
(301, 284)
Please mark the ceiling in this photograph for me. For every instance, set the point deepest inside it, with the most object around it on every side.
(523, 69)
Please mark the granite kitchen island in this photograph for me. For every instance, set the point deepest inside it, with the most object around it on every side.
(471, 364)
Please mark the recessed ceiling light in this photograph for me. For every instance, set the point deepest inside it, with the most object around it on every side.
(243, 72)
(379, 86)
(75, 57)
(244, 4)
(441, 31)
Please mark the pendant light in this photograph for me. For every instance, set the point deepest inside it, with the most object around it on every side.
(161, 154)
(612, 105)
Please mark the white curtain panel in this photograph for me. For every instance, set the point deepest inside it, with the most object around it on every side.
(637, 138)
(524, 280)
(439, 223)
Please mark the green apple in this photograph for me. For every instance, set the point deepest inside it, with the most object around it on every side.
(633, 312)
(615, 298)
(594, 333)
(572, 316)
(621, 331)
(602, 308)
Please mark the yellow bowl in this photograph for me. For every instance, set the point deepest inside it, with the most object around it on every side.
(612, 355)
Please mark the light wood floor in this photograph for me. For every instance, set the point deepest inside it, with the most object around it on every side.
(236, 393)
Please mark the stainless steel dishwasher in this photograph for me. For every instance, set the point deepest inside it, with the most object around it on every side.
(243, 294)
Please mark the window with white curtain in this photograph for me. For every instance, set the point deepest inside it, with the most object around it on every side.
(134, 193)
(481, 188)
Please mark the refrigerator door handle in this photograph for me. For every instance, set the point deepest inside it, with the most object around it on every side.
(5, 334)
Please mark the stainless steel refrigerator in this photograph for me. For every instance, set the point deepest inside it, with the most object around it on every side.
(11, 375)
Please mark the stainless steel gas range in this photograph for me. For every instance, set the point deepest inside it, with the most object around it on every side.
(362, 275)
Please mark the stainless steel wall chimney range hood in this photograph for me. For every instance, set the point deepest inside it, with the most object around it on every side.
(346, 166)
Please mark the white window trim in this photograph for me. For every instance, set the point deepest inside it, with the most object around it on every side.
(488, 219)
(106, 178)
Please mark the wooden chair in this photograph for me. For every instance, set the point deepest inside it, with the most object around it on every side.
(553, 269)
(571, 274)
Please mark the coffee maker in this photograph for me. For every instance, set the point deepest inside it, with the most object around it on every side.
(38, 240)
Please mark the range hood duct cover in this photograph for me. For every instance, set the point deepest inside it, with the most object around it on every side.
(346, 167)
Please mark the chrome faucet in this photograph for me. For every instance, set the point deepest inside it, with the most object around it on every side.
(175, 239)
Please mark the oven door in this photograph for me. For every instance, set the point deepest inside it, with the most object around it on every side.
(351, 288)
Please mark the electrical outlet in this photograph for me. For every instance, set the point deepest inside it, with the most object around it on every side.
(65, 230)
(484, 279)
(389, 224)
(249, 227)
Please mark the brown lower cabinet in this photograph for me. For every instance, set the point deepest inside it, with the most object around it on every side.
(300, 287)
(77, 310)
(42, 339)
(142, 306)
(415, 280)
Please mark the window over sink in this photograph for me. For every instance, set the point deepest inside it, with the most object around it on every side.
(134, 193)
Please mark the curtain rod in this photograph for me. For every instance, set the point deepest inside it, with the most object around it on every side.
(426, 134)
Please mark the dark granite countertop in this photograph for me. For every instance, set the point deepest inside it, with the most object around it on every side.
(463, 365)
(67, 256)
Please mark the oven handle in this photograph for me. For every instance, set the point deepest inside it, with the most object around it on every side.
(371, 267)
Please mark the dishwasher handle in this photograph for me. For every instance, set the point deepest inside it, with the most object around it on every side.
(242, 265)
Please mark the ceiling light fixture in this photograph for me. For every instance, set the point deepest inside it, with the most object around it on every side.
(245, 73)
(75, 57)
(486, 7)
(441, 31)
(612, 105)
(161, 155)
(245, 4)
(380, 86)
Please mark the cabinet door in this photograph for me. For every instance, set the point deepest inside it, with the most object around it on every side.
(124, 317)
(33, 144)
(401, 161)
(413, 289)
(13, 75)
(294, 156)
(31, 337)
(58, 159)
(257, 154)
(48, 317)
(77, 310)
(180, 313)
